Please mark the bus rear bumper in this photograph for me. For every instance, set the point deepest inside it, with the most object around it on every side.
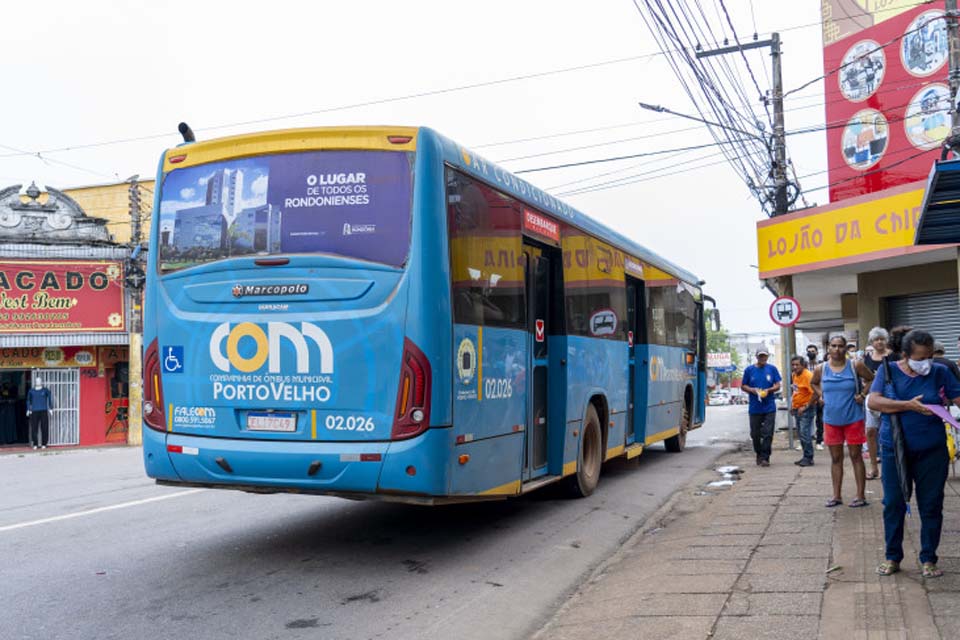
(412, 467)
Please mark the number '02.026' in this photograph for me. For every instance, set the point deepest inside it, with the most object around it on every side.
(350, 423)
(497, 388)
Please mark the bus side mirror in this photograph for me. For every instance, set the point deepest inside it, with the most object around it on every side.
(715, 319)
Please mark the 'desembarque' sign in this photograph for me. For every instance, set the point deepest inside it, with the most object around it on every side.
(38, 296)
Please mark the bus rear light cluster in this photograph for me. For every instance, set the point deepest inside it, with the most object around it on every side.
(153, 414)
(413, 396)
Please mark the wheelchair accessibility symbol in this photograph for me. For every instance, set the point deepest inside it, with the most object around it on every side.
(173, 359)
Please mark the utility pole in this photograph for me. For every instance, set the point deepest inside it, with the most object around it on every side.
(134, 285)
(953, 46)
(781, 183)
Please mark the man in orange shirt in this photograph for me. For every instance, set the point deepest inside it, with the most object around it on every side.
(804, 407)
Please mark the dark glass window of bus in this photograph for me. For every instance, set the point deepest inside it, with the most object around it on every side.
(486, 254)
(672, 315)
(594, 288)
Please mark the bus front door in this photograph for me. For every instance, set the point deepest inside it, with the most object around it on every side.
(539, 276)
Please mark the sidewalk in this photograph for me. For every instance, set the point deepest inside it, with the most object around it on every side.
(751, 561)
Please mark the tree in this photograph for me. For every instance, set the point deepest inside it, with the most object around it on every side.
(719, 342)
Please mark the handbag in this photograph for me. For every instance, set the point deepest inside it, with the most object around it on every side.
(896, 435)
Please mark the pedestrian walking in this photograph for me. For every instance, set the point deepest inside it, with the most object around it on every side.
(804, 407)
(878, 338)
(813, 359)
(39, 403)
(901, 392)
(762, 381)
(838, 382)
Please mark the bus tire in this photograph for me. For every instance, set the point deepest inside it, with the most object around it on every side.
(676, 444)
(589, 457)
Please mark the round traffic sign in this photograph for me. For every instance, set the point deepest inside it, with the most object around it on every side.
(785, 311)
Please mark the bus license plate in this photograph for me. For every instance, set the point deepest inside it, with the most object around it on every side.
(271, 421)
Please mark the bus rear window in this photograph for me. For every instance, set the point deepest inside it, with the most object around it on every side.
(350, 203)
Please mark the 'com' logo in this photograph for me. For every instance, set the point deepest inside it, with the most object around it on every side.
(268, 346)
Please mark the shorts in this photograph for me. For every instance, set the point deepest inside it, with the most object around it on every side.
(853, 433)
(872, 419)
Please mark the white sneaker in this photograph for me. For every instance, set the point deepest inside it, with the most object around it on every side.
(43, 447)
(34, 447)
(798, 448)
(819, 447)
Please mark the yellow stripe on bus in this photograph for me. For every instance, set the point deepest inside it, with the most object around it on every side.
(569, 468)
(509, 489)
(313, 424)
(479, 364)
(613, 452)
(170, 417)
(663, 435)
(290, 140)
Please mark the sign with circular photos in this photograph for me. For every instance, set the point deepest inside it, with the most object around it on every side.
(927, 120)
(923, 48)
(862, 70)
(865, 139)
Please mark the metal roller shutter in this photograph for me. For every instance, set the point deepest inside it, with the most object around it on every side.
(938, 313)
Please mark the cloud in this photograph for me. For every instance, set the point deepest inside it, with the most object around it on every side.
(259, 186)
(187, 193)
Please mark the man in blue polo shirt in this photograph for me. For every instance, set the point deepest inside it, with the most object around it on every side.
(762, 381)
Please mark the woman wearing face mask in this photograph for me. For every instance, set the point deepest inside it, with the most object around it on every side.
(917, 381)
(838, 382)
(877, 338)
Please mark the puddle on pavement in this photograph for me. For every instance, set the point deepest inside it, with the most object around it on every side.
(729, 476)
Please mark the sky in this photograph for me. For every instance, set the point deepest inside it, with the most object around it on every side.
(95, 90)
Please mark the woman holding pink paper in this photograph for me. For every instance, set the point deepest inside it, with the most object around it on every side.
(901, 392)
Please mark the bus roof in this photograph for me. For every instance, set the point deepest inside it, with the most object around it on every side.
(402, 138)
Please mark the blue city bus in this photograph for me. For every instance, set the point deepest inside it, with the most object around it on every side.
(378, 312)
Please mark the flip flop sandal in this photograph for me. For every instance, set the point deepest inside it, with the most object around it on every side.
(888, 568)
(930, 570)
(833, 502)
(872, 476)
(859, 503)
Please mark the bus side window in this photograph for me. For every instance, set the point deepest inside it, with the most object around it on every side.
(486, 254)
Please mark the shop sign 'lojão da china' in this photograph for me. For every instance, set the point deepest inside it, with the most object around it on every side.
(39, 296)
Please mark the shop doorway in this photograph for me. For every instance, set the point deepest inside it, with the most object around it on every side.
(13, 407)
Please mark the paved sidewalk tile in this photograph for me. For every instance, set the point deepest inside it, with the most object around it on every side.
(766, 559)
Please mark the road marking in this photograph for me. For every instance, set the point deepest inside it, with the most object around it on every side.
(90, 512)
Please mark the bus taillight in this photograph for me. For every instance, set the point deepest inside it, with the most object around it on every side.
(153, 414)
(413, 396)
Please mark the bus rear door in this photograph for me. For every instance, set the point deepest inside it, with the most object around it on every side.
(541, 269)
(637, 363)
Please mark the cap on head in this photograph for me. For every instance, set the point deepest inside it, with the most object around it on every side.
(762, 352)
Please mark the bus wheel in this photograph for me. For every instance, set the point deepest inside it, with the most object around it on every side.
(589, 457)
(676, 443)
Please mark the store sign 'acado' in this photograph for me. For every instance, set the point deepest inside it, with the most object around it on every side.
(47, 296)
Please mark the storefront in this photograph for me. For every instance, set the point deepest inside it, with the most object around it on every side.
(63, 318)
(853, 265)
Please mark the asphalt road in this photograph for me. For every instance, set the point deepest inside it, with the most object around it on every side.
(90, 548)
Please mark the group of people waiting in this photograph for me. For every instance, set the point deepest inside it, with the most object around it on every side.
(888, 400)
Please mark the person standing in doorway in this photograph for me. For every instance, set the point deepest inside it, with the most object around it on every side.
(39, 404)
(813, 359)
(762, 381)
(878, 339)
(838, 381)
(804, 407)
